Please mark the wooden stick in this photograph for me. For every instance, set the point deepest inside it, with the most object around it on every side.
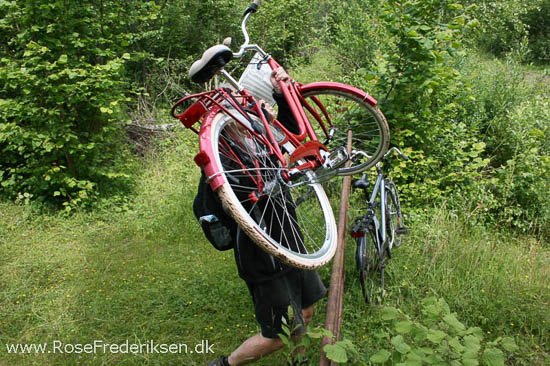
(333, 320)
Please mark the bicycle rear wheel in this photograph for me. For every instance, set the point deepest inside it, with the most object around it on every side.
(394, 217)
(344, 110)
(361, 263)
(293, 223)
(372, 278)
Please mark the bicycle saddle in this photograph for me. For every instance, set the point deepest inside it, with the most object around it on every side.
(361, 183)
(211, 61)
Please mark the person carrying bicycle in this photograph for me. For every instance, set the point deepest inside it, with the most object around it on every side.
(273, 285)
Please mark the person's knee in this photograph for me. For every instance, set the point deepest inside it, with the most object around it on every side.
(307, 314)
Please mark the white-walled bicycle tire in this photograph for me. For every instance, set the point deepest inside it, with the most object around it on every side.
(308, 237)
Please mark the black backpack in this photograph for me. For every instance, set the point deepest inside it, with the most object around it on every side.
(218, 227)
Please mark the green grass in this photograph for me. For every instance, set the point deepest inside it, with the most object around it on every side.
(146, 273)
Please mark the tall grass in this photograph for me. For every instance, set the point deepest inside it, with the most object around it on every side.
(147, 273)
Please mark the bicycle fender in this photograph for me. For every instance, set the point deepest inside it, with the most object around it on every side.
(339, 86)
(205, 159)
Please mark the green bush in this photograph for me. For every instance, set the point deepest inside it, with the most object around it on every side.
(60, 95)
(438, 337)
(510, 109)
(538, 19)
(509, 25)
(406, 59)
(523, 190)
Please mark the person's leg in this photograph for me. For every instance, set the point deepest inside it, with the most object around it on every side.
(259, 346)
(307, 315)
(253, 348)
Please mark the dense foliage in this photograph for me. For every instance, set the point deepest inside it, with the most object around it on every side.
(61, 72)
(509, 25)
(67, 72)
(70, 76)
(476, 135)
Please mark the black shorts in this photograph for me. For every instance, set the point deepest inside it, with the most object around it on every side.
(298, 288)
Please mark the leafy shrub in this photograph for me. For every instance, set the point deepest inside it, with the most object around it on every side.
(523, 189)
(538, 19)
(342, 351)
(407, 61)
(508, 25)
(60, 95)
(510, 109)
(438, 337)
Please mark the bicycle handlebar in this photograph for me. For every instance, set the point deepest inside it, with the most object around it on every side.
(245, 46)
(403, 156)
(252, 7)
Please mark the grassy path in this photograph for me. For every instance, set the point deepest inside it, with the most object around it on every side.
(146, 273)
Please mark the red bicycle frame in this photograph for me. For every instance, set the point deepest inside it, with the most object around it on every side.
(210, 103)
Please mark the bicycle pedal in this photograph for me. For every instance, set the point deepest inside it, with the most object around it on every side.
(401, 230)
(336, 158)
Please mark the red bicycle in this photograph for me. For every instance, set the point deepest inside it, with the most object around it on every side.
(268, 178)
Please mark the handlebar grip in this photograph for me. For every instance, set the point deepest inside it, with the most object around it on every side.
(252, 7)
(404, 156)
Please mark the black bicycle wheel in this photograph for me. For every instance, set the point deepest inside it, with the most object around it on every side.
(361, 263)
(394, 218)
(374, 270)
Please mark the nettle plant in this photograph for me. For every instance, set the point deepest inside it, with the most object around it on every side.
(437, 338)
(340, 352)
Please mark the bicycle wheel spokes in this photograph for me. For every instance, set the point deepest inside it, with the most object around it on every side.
(361, 264)
(343, 111)
(395, 225)
(293, 223)
(375, 265)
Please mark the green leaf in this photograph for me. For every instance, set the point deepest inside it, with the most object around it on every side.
(410, 362)
(380, 356)
(509, 344)
(403, 327)
(319, 333)
(284, 339)
(493, 357)
(475, 331)
(389, 313)
(472, 343)
(62, 59)
(432, 311)
(453, 322)
(419, 333)
(400, 345)
(381, 334)
(470, 362)
(436, 336)
(456, 345)
(336, 353)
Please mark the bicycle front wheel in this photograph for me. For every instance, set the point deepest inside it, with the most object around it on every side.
(343, 110)
(394, 217)
(293, 223)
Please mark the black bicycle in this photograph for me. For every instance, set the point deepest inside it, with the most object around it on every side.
(378, 230)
